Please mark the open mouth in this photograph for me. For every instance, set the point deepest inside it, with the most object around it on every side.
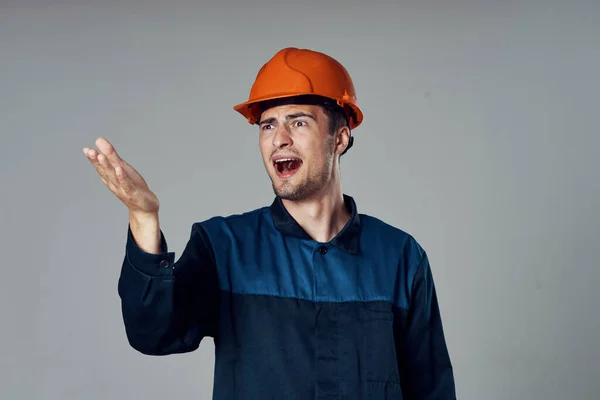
(286, 167)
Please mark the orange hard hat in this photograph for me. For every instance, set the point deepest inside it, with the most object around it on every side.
(296, 72)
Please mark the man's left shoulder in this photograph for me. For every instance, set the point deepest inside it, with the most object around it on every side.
(391, 234)
(400, 247)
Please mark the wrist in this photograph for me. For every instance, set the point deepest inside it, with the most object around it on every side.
(142, 217)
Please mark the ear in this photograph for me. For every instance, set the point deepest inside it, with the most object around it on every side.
(342, 140)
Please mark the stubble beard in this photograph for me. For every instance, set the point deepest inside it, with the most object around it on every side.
(308, 186)
(303, 189)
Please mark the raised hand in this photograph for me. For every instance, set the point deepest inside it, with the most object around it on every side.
(122, 179)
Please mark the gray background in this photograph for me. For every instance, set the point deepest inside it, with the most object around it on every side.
(480, 138)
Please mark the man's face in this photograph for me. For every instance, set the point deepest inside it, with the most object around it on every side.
(297, 149)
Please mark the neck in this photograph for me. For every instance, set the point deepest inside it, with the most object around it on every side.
(322, 216)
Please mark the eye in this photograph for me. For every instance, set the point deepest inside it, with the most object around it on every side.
(300, 123)
(266, 127)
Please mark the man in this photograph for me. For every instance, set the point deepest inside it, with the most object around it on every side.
(305, 298)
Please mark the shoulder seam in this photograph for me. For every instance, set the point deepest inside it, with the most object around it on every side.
(236, 215)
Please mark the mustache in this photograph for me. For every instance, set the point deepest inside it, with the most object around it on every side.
(286, 152)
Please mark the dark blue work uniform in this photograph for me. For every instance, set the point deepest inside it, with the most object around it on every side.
(292, 318)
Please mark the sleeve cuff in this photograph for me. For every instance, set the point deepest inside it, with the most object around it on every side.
(150, 264)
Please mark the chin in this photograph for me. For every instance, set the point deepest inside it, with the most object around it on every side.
(284, 191)
(290, 196)
(287, 191)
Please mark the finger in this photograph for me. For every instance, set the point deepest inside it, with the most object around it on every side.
(118, 177)
(107, 168)
(102, 167)
(93, 158)
(124, 180)
(115, 185)
(108, 149)
(89, 152)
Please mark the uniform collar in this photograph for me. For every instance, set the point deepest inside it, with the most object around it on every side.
(347, 239)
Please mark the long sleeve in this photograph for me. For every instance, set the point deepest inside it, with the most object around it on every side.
(169, 307)
(424, 362)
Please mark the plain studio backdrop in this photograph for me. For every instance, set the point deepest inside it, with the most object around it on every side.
(480, 138)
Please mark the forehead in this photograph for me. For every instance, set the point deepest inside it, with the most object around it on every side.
(281, 111)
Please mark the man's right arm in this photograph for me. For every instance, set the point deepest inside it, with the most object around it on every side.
(167, 306)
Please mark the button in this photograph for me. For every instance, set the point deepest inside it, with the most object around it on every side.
(164, 263)
(322, 249)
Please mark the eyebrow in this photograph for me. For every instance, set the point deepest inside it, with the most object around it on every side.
(288, 117)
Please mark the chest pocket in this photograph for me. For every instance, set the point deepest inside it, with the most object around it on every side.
(381, 370)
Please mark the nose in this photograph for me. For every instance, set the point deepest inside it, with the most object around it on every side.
(282, 137)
